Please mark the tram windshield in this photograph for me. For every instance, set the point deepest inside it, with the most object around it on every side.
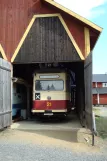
(49, 85)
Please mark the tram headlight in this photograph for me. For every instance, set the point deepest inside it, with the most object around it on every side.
(48, 98)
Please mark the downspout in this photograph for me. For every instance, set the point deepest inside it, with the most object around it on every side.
(98, 99)
(94, 131)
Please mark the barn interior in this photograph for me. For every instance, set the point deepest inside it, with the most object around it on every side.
(24, 73)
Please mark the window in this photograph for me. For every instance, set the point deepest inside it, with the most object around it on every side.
(104, 84)
(49, 85)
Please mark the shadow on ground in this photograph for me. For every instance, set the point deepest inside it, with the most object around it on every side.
(62, 129)
(70, 136)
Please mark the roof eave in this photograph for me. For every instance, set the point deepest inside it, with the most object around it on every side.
(75, 15)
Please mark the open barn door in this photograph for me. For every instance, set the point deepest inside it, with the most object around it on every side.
(5, 94)
(88, 90)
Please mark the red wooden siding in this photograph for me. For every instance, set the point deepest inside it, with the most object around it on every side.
(77, 31)
(15, 16)
(95, 102)
(103, 99)
(99, 85)
(94, 84)
(93, 38)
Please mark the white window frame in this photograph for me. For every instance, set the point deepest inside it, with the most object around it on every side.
(104, 84)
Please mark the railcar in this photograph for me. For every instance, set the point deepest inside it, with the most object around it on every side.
(51, 93)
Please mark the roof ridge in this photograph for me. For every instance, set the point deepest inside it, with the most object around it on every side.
(72, 13)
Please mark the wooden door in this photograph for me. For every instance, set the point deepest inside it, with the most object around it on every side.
(5, 94)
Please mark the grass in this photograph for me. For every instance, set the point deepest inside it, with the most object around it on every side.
(101, 121)
(101, 126)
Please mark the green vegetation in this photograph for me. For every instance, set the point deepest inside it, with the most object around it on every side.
(101, 125)
(101, 121)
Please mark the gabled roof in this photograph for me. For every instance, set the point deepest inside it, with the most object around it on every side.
(99, 90)
(73, 14)
(100, 78)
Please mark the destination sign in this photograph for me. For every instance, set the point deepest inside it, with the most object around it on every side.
(49, 76)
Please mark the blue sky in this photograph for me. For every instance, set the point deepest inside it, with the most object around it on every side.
(96, 11)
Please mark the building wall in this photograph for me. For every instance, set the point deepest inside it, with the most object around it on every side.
(102, 99)
(94, 85)
(104, 84)
(99, 84)
(95, 101)
(15, 16)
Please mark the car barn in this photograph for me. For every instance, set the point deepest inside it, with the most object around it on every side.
(44, 37)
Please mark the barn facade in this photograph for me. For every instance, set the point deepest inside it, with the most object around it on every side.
(35, 33)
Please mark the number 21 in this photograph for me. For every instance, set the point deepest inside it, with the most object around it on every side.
(49, 104)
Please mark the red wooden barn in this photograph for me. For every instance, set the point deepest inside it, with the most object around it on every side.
(16, 19)
(35, 32)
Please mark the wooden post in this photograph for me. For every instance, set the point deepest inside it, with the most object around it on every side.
(87, 41)
(28, 103)
(11, 90)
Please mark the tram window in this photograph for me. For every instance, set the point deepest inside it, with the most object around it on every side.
(49, 85)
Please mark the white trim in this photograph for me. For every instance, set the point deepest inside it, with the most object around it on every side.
(65, 110)
(43, 111)
(38, 111)
(98, 98)
(96, 84)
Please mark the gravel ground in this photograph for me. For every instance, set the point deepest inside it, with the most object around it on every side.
(17, 146)
(29, 152)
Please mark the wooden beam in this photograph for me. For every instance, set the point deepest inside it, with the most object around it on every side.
(2, 52)
(46, 15)
(87, 41)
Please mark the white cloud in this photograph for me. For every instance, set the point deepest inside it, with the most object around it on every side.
(85, 8)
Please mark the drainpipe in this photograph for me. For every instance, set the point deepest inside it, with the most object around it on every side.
(94, 131)
(98, 98)
(96, 84)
